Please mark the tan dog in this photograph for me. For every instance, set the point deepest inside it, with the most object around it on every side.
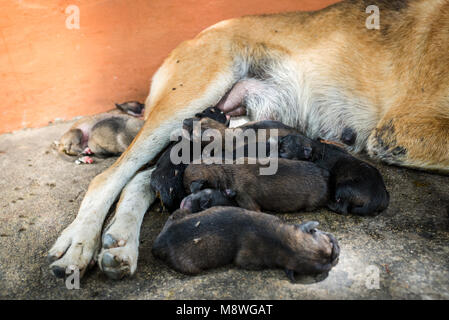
(323, 72)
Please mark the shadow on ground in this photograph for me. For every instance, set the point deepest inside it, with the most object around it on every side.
(406, 246)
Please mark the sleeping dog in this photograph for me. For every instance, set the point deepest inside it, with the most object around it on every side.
(320, 72)
(355, 186)
(105, 134)
(297, 185)
(191, 243)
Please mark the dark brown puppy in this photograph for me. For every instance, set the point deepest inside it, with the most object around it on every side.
(297, 185)
(190, 243)
(166, 179)
(355, 186)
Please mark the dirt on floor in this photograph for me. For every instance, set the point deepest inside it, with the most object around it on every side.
(400, 254)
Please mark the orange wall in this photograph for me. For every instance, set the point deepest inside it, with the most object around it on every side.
(49, 72)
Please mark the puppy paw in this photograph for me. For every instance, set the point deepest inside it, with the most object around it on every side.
(87, 151)
(84, 160)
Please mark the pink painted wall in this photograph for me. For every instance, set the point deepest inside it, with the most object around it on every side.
(49, 72)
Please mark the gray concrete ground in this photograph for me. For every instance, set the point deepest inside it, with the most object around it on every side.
(40, 194)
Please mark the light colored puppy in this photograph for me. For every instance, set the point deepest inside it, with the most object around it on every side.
(104, 134)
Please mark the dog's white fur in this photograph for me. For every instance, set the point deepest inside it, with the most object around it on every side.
(80, 242)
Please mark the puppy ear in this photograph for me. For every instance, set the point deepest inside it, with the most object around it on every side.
(230, 193)
(197, 185)
(118, 106)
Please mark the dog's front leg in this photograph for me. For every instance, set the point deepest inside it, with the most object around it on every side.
(118, 257)
(80, 241)
(195, 76)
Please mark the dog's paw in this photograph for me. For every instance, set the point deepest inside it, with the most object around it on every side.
(75, 248)
(118, 262)
(118, 257)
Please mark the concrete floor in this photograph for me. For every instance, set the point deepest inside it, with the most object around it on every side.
(40, 195)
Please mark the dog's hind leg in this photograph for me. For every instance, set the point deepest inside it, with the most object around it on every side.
(118, 257)
(417, 140)
(414, 131)
(195, 76)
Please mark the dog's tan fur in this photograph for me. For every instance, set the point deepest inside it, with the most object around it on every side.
(391, 86)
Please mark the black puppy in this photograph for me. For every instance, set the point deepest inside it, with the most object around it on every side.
(355, 186)
(190, 243)
(167, 178)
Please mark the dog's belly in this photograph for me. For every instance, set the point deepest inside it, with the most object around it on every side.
(323, 111)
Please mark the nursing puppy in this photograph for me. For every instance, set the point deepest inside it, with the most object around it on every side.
(208, 123)
(166, 179)
(251, 139)
(297, 185)
(191, 243)
(104, 134)
(355, 186)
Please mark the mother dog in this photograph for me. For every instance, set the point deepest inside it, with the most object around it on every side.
(322, 72)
